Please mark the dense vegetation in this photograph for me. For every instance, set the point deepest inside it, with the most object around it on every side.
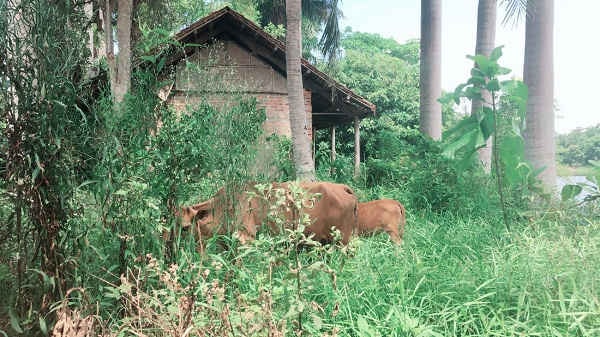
(89, 189)
(579, 146)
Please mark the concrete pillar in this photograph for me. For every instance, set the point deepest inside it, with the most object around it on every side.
(332, 170)
(314, 146)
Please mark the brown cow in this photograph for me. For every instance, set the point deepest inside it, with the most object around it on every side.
(382, 215)
(327, 205)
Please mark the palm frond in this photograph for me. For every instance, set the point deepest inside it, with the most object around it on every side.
(330, 40)
(515, 10)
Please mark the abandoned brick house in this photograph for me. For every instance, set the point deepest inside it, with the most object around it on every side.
(237, 55)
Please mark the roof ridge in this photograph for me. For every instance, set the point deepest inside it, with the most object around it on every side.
(278, 43)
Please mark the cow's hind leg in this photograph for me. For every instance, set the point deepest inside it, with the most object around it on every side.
(393, 233)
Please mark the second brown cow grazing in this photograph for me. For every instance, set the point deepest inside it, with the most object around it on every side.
(244, 211)
(385, 215)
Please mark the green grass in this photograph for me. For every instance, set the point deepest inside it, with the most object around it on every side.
(564, 171)
(462, 277)
(453, 276)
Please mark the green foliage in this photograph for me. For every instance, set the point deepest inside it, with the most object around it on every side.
(500, 117)
(413, 164)
(271, 285)
(111, 177)
(375, 44)
(536, 280)
(171, 16)
(579, 146)
(570, 191)
(386, 73)
(156, 158)
(284, 160)
(47, 150)
(277, 31)
(477, 279)
(320, 25)
(374, 67)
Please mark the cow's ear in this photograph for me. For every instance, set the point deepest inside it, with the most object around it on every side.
(202, 214)
(203, 206)
(185, 211)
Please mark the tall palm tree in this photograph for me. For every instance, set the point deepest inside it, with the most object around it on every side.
(486, 37)
(305, 168)
(538, 74)
(431, 61)
(321, 13)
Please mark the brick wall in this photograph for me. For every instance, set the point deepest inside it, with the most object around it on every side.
(276, 108)
(277, 121)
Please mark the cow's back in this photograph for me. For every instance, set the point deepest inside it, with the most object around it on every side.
(244, 211)
(336, 206)
(382, 215)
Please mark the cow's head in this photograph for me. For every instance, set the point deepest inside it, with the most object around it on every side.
(194, 216)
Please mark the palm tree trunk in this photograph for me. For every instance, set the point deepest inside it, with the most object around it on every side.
(123, 73)
(486, 37)
(305, 169)
(538, 74)
(431, 75)
(109, 43)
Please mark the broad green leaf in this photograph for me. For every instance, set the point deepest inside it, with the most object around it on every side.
(471, 137)
(482, 62)
(570, 191)
(478, 140)
(473, 93)
(493, 85)
(487, 123)
(463, 127)
(476, 72)
(511, 152)
(496, 53)
(477, 80)
(35, 174)
(458, 92)
(14, 321)
(149, 58)
(503, 71)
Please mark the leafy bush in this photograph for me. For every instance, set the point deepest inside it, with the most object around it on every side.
(416, 165)
(579, 146)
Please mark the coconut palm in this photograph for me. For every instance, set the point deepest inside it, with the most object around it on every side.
(305, 169)
(538, 74)
(486, 36)
(321, 13)
(431, 75)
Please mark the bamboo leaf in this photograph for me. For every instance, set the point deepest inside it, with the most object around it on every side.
(43, 326)
(14, 321)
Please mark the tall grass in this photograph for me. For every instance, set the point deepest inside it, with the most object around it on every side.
(462, 277)
(453, 276)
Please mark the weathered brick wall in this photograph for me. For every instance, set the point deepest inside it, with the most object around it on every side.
(276, 108)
